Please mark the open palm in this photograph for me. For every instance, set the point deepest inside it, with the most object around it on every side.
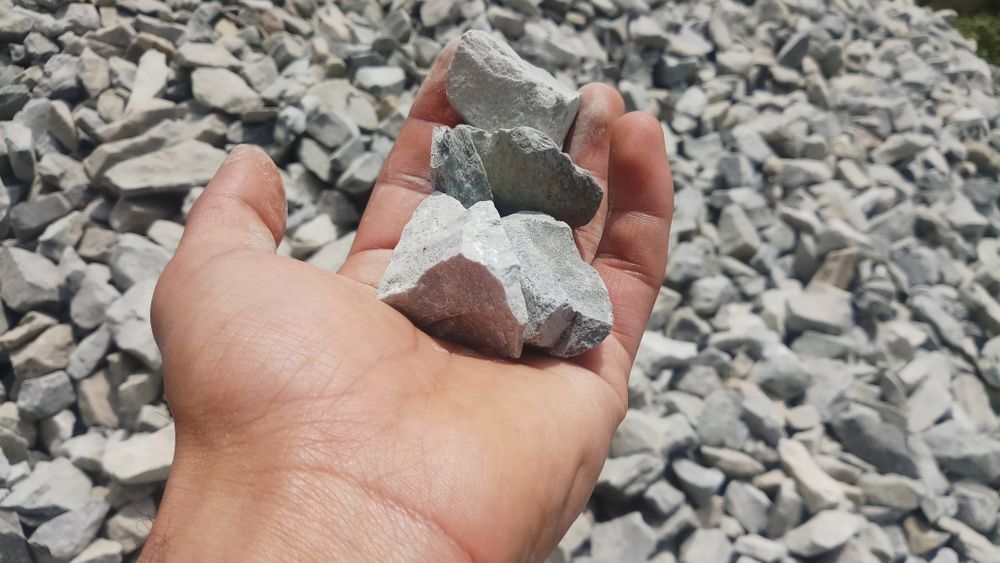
(315, 422)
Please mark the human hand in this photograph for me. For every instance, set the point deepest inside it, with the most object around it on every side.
(315, 422)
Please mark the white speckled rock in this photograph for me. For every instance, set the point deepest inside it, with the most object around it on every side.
(493, 88)
(454, 274)
(569, 311)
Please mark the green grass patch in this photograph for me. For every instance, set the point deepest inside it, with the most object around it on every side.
(985, 29)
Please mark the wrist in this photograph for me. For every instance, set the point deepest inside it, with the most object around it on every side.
(244, 506)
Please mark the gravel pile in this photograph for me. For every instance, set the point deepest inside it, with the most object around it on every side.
(821, 375)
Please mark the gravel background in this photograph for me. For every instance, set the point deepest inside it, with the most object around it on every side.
(821, 376)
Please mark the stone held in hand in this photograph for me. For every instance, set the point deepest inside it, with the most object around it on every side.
(456, 168)
(493, 88)
(496, 284)
(455, 274)
(520, 169)
(569, 310)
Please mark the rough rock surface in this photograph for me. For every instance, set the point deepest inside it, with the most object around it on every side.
(456, 275)
(528, 172)
(493, 88)
(519, 169)
(569, 310)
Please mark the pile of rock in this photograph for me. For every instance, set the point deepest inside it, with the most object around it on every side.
(461, 271)
(820, 377)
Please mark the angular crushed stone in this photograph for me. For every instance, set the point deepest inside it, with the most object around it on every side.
(569, 310)
(493, 88)
(456, 168)
(455, 274)
(528, 172)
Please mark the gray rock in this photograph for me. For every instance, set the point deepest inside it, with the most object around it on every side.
(964, 453)
(735, 464)
(794, 50)
(20, 150)
(85, 450)
(528, 172)
(902, 146)
(224, 90)
(662, 497)
(895, 491)
(95, 295)
(27, 280)
(760, 416)
(968, 542)
(760, 548)
(706, 546)
(30, 218)
(978, 505)
(737, 236)
(381, 81)
(821, 307)
(31, 325)
(331, 129)
(52, 488)
(134, 258)
(656, 352)
(748, 504)
(782, 373)
(44, 396)
(444, 248)
(128, 319)
(928, 403)
(822, 533)
(191, 54)
(333, 255)
(818, 489)
(795, 173)
(627, 477)
(360, 175)
(719, 424)
(642, 432)
(569, 310)
(493, 89)
(456, 168)
(786, 509)
(627, 538)
(100, 551)
(141, 458)
(68, 534)
(96, 401)
(700, 483)
(13, 545)
(173, 169)
(150, 79)
(130, 525)
(877, 442)
(88, 353)
(46, 353)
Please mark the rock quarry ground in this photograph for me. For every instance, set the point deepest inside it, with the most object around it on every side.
(820, 378)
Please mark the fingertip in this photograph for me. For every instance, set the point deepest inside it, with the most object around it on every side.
(639, 158)
(588, 139)
(242, 207)
(431, 103)
(637, 129)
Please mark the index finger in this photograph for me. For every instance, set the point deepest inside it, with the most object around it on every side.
(405, 177)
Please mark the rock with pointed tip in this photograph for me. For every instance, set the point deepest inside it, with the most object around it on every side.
(569, 310)
(493, 88)
(455, 274)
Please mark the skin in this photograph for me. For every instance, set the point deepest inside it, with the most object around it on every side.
(315, 423)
